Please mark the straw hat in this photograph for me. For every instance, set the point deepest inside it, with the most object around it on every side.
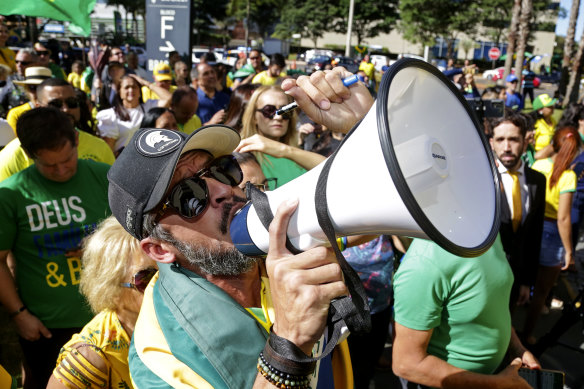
(34, 75)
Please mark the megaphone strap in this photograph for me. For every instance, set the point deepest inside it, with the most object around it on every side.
(354, 310)
(262, 206)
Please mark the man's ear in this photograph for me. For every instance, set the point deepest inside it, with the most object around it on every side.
(158, 251)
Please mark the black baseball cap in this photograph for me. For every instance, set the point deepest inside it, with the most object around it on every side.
(141, 175)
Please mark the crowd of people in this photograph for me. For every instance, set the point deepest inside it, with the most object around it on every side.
(117, 188)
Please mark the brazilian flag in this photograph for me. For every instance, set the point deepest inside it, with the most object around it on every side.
(74, 11)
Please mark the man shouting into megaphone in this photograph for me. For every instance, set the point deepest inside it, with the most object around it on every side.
(212, 316)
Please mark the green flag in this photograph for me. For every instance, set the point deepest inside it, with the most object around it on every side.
(75, 11)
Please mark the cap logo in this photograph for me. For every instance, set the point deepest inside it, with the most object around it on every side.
(154, 143)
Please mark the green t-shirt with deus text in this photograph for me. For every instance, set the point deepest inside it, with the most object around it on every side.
(42, 220)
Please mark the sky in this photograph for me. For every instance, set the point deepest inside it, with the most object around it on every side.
(562, 26)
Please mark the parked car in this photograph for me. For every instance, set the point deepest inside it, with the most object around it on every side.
(348, 63)
(317, 63)
(496, 74)
(309, 54)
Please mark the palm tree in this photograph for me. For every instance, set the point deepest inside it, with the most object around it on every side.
(525, 15)
(512, 37)
(569, 47)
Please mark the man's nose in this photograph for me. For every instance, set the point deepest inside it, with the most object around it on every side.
(218, 192)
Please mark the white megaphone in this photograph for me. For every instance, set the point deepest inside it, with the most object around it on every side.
(417, 165)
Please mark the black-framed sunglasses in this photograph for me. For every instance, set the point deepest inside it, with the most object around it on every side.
(41, 52)
(141, 279)
(190, 196)
(269, 111)
(25, 63)
(71, 102)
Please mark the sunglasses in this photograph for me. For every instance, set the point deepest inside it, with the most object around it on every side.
(190, 196)
(140, 280)
(254, 58)
(71, 102)
(25, 63)
(269, 111)
(41, 53)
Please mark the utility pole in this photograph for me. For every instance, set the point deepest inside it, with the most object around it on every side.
(349, 29)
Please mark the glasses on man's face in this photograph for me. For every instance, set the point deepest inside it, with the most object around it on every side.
(70, 102)
(269, 111)
(254, 58)
(190, 196)
(140, 280)
(42, 53)
(24, 63)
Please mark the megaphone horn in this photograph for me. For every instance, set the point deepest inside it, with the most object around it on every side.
(417, 165)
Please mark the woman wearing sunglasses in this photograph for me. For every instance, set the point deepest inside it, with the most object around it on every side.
(114, 275)
(273, 138)
(116, 125)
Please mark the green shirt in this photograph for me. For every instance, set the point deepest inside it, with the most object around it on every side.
(285, 170)
(41, 220)
(464, 300)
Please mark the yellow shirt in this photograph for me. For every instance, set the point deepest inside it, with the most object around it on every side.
(7, 57)
(148, 94)
(16, 112)
(544, 133)
(190, 126)
(265, 79)
(566, 183)
(74, 79)
(105, 335)
(368, 68)
(13, 158)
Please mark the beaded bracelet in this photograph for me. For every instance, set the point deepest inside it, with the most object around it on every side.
(279, 378)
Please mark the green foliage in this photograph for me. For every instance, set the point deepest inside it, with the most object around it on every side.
(370, 17)
(310, 18)
(263, 13)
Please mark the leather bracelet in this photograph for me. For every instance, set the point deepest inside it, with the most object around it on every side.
(19, 310)
(286, 357)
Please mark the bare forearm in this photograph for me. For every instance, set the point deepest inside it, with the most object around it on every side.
(434, 372)
(306, 159)
(8, 293)
(565, 230)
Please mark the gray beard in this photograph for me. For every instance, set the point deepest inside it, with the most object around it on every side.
(220, 261)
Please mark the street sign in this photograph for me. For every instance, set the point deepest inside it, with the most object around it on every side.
(168, 28)
(494, 53)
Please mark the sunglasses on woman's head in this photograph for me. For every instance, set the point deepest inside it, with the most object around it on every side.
(190, 196)
(141, 279)
(269, 111)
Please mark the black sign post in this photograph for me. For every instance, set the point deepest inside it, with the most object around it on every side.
(168, 28)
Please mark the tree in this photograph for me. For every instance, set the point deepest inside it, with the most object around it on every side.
(524, 18)
(370, 18)
(264, 14)
(310, 18)
(575, 75)
(203, 14)
(569, 47)
(512, 37)
(425, 20)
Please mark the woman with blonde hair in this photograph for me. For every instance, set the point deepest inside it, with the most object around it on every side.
(273, 138)
(114, 275)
